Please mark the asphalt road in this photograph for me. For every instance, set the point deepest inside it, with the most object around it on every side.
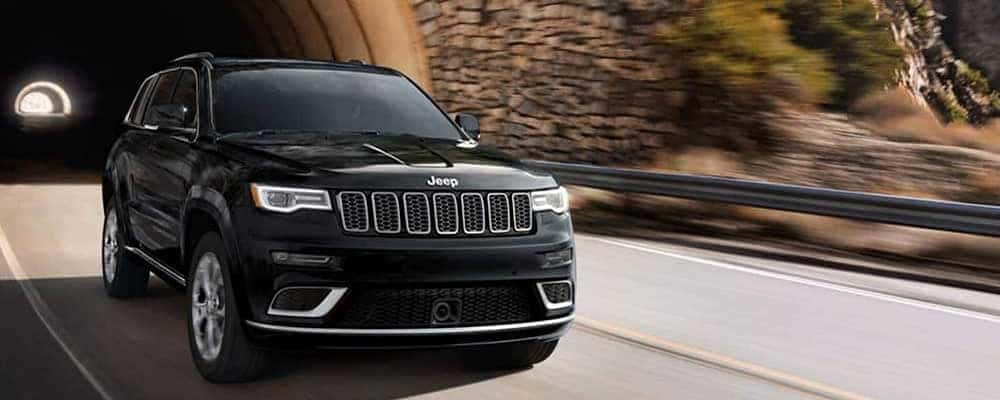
(655, 321)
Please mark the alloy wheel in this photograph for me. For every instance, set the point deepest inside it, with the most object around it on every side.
(109, 249)
(208, 306)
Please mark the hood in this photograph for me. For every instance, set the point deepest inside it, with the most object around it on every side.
(395, 162)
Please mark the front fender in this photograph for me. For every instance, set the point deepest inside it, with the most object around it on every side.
(210, 201)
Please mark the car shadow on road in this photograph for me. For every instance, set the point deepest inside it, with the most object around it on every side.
(139, 348)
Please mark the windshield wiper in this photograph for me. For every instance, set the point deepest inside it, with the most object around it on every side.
(422, 141)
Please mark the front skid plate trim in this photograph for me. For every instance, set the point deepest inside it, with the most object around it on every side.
(459, 330)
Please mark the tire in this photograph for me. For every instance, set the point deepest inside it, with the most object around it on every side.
(124, 274)
(508, 356)
(219, 346)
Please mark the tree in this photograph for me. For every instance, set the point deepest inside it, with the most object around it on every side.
(860, 47)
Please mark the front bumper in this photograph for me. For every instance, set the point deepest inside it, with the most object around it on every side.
(399, 263)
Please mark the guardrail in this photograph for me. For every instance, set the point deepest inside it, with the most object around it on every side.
(976, 219)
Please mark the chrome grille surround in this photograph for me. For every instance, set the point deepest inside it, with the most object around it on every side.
(435, 213)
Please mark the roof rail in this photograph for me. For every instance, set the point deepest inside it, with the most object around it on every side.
(194, 56)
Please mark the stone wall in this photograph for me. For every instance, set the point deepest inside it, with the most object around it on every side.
(589, 81)
(575, 80)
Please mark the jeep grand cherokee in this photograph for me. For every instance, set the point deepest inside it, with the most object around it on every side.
(331, 205)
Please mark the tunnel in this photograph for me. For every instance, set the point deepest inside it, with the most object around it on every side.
(99, 52)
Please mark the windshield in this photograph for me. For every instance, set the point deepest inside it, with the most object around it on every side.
(257, 98)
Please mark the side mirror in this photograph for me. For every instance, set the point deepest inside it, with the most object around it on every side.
(469, 123)
(170, 115)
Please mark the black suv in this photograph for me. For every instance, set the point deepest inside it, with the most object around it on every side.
(333, 205)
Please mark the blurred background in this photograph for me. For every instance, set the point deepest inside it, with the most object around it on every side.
(886, 96)
(895, 97)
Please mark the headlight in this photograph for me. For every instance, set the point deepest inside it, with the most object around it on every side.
(286, 200)
(556, 200)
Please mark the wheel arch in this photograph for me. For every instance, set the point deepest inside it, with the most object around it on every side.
(206, 210)
(114, 189)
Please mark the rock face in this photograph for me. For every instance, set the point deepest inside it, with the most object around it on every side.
(972, 27)
(590, 81)
(575, 80)
(947, 43)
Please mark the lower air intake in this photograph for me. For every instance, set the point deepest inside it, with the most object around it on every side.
(387, 307)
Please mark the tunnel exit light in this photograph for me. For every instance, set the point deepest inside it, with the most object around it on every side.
(43, 99)
(36, 103)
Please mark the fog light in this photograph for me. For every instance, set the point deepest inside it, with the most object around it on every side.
(304, 260)
(556, 295)
(558, 258)
(305, 302)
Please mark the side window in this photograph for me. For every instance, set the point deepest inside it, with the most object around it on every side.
(186, 95)
(135, 113)
(160, 98)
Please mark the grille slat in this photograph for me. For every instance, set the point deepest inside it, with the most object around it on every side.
(353, 211)
(499, 211)
(473, 213)
(385, 206)
(442, 213)
(522, 211)
(417, 211)
(445, 213)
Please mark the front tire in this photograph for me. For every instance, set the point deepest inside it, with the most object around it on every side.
(124, 274)
(219, 346)
(508, 356)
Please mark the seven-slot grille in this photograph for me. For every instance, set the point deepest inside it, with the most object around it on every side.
(435, 213)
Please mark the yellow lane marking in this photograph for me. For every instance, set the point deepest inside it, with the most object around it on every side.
(714, 359)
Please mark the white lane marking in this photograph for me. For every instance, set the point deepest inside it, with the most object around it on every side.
(804, 281)
(44, 313)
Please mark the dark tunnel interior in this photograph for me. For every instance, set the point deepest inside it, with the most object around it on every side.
(99, 52)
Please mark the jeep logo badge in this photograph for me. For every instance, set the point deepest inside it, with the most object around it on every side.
(438, 181)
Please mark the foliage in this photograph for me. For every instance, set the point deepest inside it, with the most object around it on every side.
(974, 79)
(863, 54)
(828, 52)
(737, 61)
(743, 47)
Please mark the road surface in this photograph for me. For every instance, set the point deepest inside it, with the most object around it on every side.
(655, 321)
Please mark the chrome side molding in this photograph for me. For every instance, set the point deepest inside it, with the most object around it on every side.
(157, 264)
